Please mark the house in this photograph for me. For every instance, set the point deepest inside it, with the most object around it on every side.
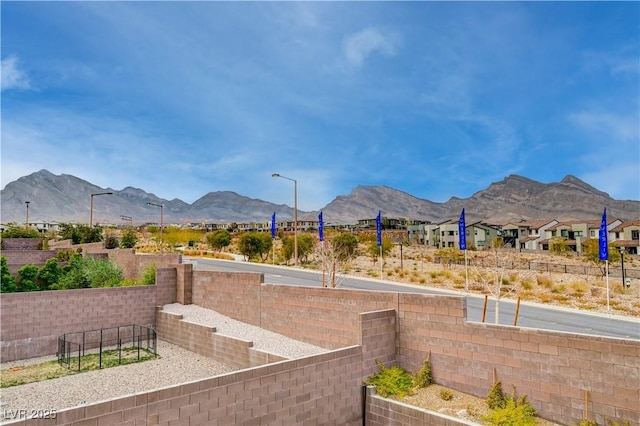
(526, 235)
(627, 235)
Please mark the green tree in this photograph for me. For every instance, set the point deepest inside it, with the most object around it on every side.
(267, 243)
(49, 274)
(27, 278)
(79, 233)
(305, 247)
(128, 239)
(250, 245)
(7, 282)
(73, 275)
(111, 242)
(373, 250)
(20, 232)
(219, 239)
(345, 246)
(102, 273)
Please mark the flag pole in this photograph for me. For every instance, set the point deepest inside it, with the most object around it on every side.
(466, 272)
(322, 255)
(606, 265)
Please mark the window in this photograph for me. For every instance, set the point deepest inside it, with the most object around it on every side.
(635, 234)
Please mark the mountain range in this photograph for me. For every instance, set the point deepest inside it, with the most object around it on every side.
(66, 198)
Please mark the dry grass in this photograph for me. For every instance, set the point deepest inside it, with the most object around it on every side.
(568, 290)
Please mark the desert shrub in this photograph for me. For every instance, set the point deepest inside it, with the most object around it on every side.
(111, 242)
(496, 397)
(128, 239)
(585, 422)
(424, 377)
(392, 381)
(149, 275)
(527, 284)
(544, 281)
(446, 394)
(515, 413)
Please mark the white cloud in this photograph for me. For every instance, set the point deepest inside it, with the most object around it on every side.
(625, 128)
(12, 76)
(357, 47)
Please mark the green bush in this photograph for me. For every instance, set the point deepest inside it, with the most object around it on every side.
(111, 242)
(514, 413)
(393, 381)
(149, 275)
(73, 275)
(7, 282)
(49, 274)
(128, 239)
(27, 278)
(20, 232)
(446, 394)
(102, 273)
(424, 377)
(496, 398)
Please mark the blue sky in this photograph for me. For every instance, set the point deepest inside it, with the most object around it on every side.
(437, 99)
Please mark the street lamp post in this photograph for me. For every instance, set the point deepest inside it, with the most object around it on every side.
(161, 225)
(27, 221)
(295, 215)
(91, 206)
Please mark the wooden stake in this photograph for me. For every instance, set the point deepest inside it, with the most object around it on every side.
(494, 375)
(586, 405)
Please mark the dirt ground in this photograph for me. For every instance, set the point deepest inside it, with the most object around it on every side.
(568, 290)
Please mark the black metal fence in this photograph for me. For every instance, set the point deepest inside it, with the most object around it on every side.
(588, 270)
(72, 347)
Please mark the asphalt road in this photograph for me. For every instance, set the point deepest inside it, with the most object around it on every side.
(530, 315)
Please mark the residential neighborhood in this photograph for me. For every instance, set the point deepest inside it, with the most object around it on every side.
(524, 235)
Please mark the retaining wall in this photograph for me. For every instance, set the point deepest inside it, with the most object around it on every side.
(206, 341)
(553, 369)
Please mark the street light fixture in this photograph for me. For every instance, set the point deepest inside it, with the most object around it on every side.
(161, 225)
(129, 219)
(91, 207)
(295, 215)
(26, 224)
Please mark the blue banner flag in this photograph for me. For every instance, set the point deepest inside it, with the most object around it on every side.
(604, 237)
(273, 225)
(320, 227)
(379, 229)
(462, 232)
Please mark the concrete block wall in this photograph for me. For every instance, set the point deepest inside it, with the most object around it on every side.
(320, 389)
(30, 323)
(205, 341)
(378, 340)
(553, 369)
(22, 243)
(184, 284)
(381, 411)
(16, 259)
(325, 317)
(235, 295)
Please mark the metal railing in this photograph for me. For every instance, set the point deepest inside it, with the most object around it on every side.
(72, 347)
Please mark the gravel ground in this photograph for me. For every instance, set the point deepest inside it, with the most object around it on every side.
(175, 365)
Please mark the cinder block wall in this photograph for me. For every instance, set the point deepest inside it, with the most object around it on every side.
(378, 340)
(235, 295)
(381, 411)
(16, 259)
(321, 389)
(205, 341)
(553, 369)
(31, 322)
